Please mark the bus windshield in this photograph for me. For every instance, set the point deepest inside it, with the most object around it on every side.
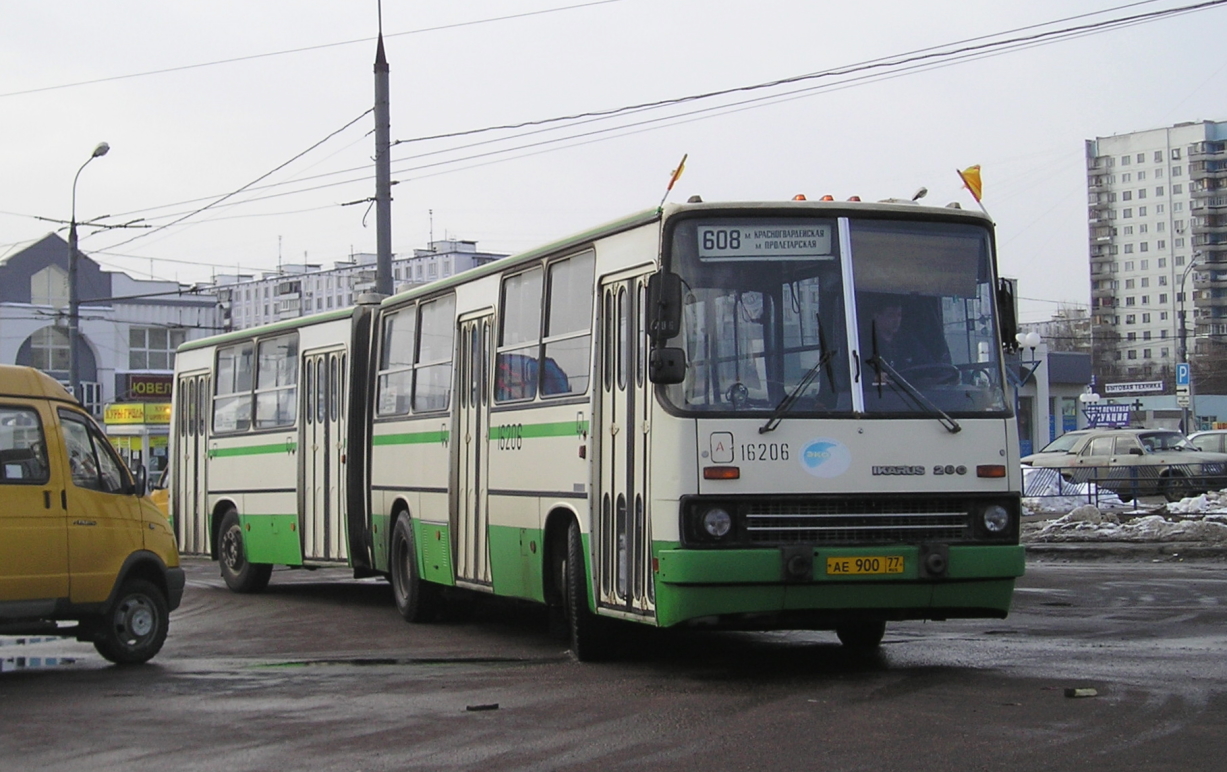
(768, 321)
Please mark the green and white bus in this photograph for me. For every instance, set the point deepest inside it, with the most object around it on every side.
(730, 415)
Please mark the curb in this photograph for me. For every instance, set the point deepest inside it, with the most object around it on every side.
(1152, 551)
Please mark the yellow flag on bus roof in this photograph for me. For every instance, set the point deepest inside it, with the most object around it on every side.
(971, 179)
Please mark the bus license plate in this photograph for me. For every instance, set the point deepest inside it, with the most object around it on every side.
(865, 564)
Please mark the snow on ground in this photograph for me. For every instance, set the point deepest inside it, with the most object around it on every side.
(1080, 513)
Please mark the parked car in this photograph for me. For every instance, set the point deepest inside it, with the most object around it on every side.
(1211, 441)
(1134, 462)
(79, 541)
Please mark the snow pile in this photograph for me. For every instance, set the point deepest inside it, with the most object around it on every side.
(1089, 523)
(1206, 503)
(1045, 491)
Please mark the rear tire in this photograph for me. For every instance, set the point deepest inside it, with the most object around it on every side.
(240, 575)
(133, 630)
(863, 636)
(416, 600)
(588, 632)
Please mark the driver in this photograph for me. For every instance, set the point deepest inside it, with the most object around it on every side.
(897, 344)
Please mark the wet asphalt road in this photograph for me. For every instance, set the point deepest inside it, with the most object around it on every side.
(321, 673)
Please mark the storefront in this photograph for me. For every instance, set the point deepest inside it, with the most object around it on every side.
(140, 430)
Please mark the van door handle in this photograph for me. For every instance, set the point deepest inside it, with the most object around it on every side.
(85, 522)
(46, 499)
(63, 499)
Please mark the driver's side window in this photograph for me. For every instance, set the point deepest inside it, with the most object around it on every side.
(92, 462)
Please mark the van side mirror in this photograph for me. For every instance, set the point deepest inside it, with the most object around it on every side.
(664, 306)
(140, 481)
(667, 365)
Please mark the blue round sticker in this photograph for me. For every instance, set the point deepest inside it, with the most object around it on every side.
(826, 457)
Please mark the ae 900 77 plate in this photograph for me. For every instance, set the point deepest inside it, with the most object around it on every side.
(865, 564)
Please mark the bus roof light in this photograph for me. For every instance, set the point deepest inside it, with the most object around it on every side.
(827, 198)
(854, 198)
(990, 470)
(799, 197)
(721, 473)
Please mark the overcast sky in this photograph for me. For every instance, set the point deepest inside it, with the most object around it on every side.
(74, 73)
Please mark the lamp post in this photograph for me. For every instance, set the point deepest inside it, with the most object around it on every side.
(1040, 415)
(1184, 347)
(74, 294)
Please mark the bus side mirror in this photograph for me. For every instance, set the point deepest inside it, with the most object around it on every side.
(664, 306)
(1008, 314)
(667, 365)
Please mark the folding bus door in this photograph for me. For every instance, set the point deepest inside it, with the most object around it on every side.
(470, 488)
(189, 492)
(622, 539)
(322, 519)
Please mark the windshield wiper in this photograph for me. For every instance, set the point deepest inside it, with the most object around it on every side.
(917, 397)
(824, 360)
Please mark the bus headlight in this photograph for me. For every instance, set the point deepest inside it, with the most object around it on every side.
(717, 522)
(996, 519)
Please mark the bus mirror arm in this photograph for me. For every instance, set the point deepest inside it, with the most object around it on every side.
(667, 365)
(664, 306)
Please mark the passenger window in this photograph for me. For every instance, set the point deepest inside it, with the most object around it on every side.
(23, 449)
(568, 334)
(277, 382)
(92, 461)
(1125, 444)
(519, 338)
(433, 366)
(1100, 446)
(396, 362)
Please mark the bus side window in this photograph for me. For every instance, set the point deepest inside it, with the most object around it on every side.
(515, 370)
(568, 336)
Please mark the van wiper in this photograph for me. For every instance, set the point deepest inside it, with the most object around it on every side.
(824, 360)
(917, 397)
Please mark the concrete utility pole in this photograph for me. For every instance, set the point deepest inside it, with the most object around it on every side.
(383, 174)
(74, 292)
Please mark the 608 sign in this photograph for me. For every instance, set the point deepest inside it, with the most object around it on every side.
(721, 238)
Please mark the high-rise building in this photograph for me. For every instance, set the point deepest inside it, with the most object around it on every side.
(1158, 248)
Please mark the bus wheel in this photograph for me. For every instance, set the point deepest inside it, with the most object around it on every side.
(589, 637)
(240, 575)
(416, 600)
(134, 629)
(861, 636)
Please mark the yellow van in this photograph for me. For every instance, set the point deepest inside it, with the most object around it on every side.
(79, 542)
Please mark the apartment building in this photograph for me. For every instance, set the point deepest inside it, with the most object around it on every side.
(1157, 207)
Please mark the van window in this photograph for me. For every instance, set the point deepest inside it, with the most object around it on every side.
(23, 449)
(94, 464)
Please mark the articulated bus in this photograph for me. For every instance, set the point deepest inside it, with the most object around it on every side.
(758, 416)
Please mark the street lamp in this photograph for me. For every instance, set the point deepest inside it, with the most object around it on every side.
(74, 294)
(1184, 347)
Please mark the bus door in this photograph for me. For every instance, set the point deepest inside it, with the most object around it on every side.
(189, 493)
(622, 537)
(470, 488)
(322, 456)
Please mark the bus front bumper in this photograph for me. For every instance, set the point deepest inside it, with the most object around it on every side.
(762, 588)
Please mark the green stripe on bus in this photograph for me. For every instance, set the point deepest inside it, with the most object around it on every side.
(253, 450)
(559, 429)
(410, 438)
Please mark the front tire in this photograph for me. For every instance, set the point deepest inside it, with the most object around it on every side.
(240, 575)
(133, 630)
(416, 600)
(588, 633)
(864, 636)
(1176, 486)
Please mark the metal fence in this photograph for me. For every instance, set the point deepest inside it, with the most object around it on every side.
(1118, 485)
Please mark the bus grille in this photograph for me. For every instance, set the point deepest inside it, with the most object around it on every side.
(857, 522)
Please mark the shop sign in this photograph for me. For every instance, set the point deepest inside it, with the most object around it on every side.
(150, 388)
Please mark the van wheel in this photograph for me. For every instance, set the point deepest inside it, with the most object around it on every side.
(588, 633)
(416, 600)
(240, 575)
(862, 636)
(134, 628)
